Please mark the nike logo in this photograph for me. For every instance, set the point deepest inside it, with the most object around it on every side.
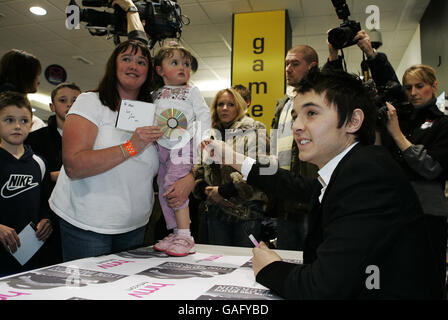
(17, 184)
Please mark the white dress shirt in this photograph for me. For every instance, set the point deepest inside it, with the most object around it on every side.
(327, 170)
(324, 173)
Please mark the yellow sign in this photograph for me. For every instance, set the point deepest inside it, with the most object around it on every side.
(260, 42)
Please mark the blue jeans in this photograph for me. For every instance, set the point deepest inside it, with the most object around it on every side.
(78, 243)
(231, 233)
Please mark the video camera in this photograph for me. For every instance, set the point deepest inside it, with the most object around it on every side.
(392, 92)
(342, 37)
(162, 19)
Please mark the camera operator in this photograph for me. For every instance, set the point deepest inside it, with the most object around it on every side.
(135, 27)
(381, 69)
(418, 141)
(420, 145)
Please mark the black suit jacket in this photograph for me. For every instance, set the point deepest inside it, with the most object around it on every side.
(369, 216)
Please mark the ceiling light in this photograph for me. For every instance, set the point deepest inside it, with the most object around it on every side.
(39, 11)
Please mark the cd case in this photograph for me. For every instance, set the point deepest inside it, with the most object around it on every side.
(134, 114)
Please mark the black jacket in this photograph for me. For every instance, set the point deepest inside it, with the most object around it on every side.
(369, 216)
(433, 136)
(380, 67)
(24, 194)
(47, 142)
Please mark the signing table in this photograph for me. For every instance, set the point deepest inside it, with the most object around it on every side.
(213, 272)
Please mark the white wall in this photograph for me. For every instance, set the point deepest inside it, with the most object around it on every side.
(412, 55)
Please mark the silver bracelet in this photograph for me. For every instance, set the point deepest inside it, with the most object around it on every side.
(125, 154)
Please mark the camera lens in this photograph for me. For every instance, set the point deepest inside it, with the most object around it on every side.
(339, 37)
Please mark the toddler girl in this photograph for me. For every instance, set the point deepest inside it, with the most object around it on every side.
(181, 112)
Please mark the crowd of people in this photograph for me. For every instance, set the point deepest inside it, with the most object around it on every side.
(350, 191)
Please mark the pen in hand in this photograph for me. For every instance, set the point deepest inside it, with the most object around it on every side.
(254, 241)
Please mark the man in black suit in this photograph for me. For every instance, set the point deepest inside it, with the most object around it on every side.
(367, 237)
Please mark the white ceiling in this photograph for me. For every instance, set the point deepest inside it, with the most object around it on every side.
(208, 36)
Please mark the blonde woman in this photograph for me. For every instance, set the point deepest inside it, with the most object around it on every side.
(420, 145)
(234, 209)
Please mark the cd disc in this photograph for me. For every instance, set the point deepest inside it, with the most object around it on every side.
(173, 123)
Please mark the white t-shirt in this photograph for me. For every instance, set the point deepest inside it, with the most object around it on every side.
(118, 200)
(189, 101)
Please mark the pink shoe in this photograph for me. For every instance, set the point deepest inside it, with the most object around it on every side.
(165, 243)
(181, 246)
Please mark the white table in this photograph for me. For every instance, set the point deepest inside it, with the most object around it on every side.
(214, 272)
(241, 251)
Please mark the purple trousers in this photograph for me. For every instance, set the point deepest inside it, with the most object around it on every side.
(174, 164)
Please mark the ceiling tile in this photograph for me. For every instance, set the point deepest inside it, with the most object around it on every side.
(222, 11)
(293, 6)
(317, 8)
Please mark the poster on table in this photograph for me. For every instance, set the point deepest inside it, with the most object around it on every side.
(141, 274)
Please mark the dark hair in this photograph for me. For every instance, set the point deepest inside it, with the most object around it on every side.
(11, 98)
(309, 54)
(107, 88)
(168, 51)
(19, 68)
(70, 85)
(347, 92)
(243, 91)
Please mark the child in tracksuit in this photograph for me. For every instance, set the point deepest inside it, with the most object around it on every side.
(24, 183)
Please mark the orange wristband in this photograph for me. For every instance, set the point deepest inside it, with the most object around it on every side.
(130, 148)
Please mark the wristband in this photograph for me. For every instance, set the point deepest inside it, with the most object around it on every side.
(132, 8)
(130, 148)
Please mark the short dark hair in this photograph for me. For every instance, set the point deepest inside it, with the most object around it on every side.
(11, 98)
(107, 88)
(243, 91)
(347, 92)
(309, 54)
(70, 85)
(19, 68)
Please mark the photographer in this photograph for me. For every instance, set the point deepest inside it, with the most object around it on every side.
(135, 27)
(381, 69)
(420, 145)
